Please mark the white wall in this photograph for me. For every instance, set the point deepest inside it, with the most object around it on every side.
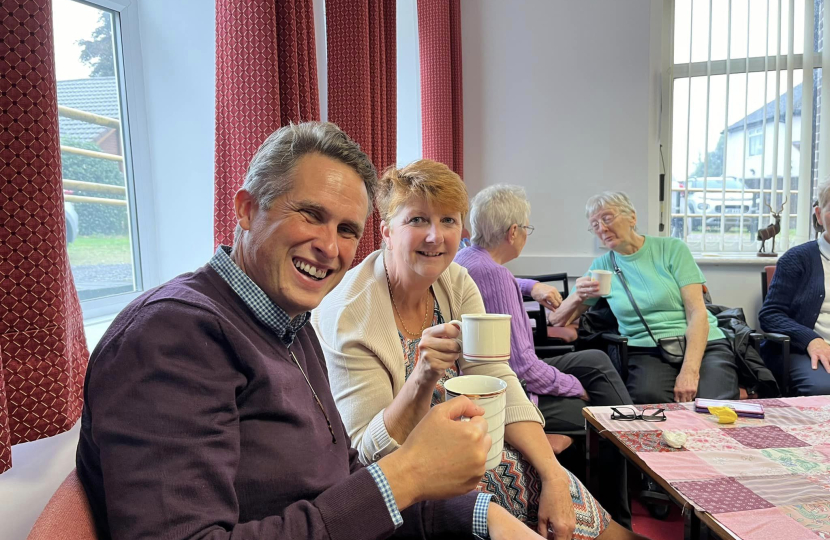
(38, 469)
(178, 42)
(736, 285)
(563, 98)
(557, 99)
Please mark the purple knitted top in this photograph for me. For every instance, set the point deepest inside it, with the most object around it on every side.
(502, 293)
(198, 423)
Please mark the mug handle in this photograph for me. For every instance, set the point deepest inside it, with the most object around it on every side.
(459, 339)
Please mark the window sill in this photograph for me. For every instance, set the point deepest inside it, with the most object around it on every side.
(733, 259)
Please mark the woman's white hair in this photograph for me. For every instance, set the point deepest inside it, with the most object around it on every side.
(617, 200)
(824, 193)
(493, 210)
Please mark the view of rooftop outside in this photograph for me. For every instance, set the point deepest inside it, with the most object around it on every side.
(729, 169)
(99, 231)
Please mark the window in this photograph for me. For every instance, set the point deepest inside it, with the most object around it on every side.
(96, 154)
(744, 73)
(755, 144)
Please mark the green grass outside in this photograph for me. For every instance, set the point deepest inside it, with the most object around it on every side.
(92, 250)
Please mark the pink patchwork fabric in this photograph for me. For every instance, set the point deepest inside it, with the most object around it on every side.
(785, 490)
(667, 406)
(803, 461)
(767, 402)
(766, 524)
(685, 421)
(807, 401)
(721, 495)
(675, 466)
(711, 440)
(712, 422)
(763, 479)
(789, 416)
(765, 437)
(819, 414)
(813, 515)
(822, 480)
(745, 464)
(815, 435)
(646, 441)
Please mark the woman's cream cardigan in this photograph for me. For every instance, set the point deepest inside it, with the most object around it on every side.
(356, 328)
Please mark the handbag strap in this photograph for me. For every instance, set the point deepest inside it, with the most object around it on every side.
(630, 296)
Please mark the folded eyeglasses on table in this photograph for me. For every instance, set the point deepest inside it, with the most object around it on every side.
(649, 414)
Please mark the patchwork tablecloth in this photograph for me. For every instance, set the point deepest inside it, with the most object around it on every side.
(763, 479)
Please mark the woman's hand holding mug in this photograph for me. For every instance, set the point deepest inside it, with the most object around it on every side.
(587, 288)
(438, 351)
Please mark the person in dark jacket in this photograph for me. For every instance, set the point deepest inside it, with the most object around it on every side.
(207, 409)
(797, 306)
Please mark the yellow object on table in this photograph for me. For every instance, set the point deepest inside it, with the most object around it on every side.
(725, 415)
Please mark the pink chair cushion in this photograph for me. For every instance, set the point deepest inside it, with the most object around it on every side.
(67, 515)
(558, 442)
(565, 333)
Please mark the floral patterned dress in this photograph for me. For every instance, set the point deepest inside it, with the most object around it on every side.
(514, 483)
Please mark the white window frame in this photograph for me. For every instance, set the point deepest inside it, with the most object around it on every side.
(130, 75)
(755, 142)
(807, 62)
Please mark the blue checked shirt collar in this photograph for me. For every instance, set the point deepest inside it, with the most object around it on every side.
(264, 309)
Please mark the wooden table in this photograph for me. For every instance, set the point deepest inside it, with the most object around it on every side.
(755, 479)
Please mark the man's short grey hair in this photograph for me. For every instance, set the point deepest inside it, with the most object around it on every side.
(616, 200)
(824, 192)
(269, 173)
(494, 210)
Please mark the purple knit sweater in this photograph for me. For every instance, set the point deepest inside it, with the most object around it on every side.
(198, 424)
(502, 293)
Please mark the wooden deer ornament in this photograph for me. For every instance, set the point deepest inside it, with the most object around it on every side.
(770, 231)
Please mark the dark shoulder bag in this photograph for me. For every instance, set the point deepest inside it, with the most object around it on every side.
(672, 349)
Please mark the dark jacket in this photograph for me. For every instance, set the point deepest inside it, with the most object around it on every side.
(753, 374)
(593, 324)
(795, 297)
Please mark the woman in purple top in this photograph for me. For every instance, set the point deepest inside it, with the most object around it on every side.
(561, 386)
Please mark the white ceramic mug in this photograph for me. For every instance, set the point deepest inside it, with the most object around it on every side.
(490, 394)
(604, 279)
(485, 337)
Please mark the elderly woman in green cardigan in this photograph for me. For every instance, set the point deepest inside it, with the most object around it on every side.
(666, 284)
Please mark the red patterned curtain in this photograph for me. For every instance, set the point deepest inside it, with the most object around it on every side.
(439, 42)
(43, 353)
(361, 85)
(266, 77)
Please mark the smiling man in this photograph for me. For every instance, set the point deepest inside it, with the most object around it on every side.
(300, 247)
(208, 412)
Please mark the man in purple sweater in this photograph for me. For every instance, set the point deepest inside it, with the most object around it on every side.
(207, 408)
